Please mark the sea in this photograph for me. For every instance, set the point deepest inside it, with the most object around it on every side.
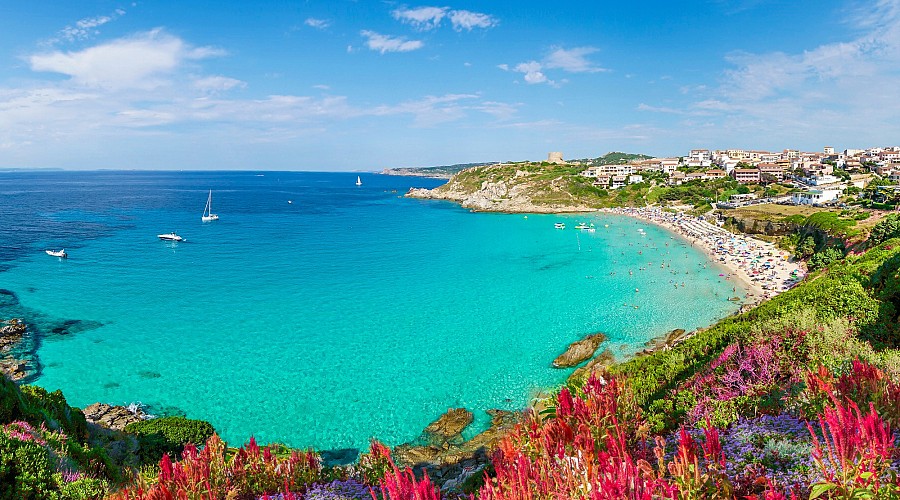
(318, 313)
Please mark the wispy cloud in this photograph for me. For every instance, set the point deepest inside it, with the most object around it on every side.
(569, 60)
(84, 29)
(467, 20)
(572, 60)
(428, 18)
(385, 43)
(423, 18)
(139, 61)
(842, 90)
(218, 84)
(319, 24)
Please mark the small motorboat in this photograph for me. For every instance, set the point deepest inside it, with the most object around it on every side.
(559, 225)
(581, 225)
(170, 237)
(60, 253)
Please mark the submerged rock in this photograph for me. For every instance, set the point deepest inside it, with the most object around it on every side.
(449, 426)
(11, 333)
(579, 351)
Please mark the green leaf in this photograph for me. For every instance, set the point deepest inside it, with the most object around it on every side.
(820, 489)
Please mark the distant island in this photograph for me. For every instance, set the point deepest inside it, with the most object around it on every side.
(441, 172)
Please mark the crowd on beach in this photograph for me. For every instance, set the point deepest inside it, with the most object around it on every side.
(766, 269)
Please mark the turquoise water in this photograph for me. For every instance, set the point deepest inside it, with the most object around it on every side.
(349, 313)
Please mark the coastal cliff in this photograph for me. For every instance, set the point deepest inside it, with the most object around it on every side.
(516, 188)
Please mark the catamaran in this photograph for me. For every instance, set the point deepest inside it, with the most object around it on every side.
(207, 212)
(358, 181)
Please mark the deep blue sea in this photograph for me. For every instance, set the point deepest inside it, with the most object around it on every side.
(320, 313)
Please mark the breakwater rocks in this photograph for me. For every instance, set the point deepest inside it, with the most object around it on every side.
(113, 417)
(579, 351)
(11, 333)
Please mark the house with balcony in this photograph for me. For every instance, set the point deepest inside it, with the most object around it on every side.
(746, 175)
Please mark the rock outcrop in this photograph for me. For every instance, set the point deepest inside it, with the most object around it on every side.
(597, 365)
(492, 189)
(113, 417)
(445, 456)
(11, 333)
(579, 351)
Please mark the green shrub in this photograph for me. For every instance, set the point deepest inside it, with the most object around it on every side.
(85, 488)
(887, 228)
(168, 435)
(25, 470)
(52, 408)
(825, 257)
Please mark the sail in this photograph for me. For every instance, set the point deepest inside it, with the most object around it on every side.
(207, 211)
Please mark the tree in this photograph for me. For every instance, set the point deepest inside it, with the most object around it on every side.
(887, 228)
(807, 247)
(825, 257)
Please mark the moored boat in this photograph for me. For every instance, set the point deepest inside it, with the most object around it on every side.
(559, 225)
(170, 237)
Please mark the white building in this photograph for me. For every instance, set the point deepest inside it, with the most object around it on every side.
(815, 196)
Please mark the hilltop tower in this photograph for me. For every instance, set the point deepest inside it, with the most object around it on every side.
(555, 157)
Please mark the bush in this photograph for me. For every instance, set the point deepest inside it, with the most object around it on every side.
(25, 468)
(825, 257)
(168, 435)
(887, 228)
(52, 408)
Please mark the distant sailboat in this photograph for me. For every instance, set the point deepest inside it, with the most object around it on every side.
(207, 212)
(358, 181)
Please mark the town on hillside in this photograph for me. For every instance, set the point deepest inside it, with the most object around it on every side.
(810, 178)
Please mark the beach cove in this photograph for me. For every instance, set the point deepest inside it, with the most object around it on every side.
(346, 314)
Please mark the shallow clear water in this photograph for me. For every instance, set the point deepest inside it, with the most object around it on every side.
(349, 313)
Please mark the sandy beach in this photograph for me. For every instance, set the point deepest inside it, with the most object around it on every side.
(760, 266)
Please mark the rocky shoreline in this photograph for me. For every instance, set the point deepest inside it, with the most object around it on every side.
(11, 334)
(494, 197)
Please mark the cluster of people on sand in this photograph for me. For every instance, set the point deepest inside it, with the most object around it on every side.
(765, 268)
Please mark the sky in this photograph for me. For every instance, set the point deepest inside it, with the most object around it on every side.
(366, 85)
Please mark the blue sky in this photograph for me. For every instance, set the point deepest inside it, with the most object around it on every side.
(343, 85)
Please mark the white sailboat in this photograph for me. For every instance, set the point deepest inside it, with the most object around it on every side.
(358, 181)
(207, 212)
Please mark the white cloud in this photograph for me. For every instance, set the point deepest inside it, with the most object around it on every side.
(569, 60)
(319, 24)
(423, 18)
(427, 18)
(140, 61)
(217, 84)
(85, 28)
(572, 60)
(840, 91)
(385, 43)
(467, 20)
(532, 72)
